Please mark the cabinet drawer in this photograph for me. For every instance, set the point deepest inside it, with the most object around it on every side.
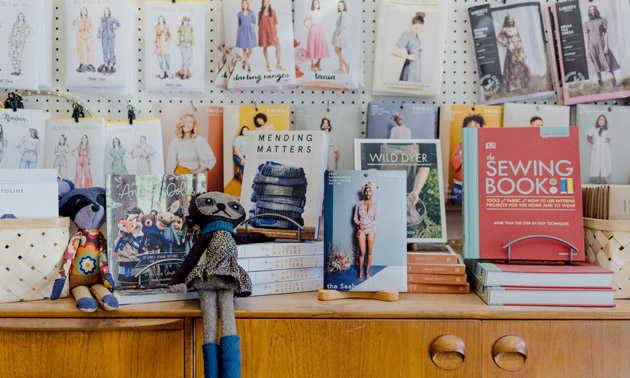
(296, 348)
(563, 348)
(108, 348)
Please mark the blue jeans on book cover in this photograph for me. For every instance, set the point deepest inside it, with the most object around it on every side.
(289, 214)
(239, 162)
(279, 206)
(278, 190)
(272, 223)
(285, 181)
(273, 169)
(293, 201)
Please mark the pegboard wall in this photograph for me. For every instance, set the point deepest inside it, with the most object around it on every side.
(459, 73)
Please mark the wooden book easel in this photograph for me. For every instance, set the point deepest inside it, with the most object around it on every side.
(331, 295)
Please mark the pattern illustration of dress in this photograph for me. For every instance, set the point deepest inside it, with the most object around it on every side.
(246, 35)
(339, 37)
(162, 48)
(143, 153)
(267, 36)
(20, 32)
(601, 62)
(186, 41)
(411, 69)
(316, 44)
(516, 74)
(3, 146)
(601, 161)
(83, 175)
(118, 164)
(61, 159)
(107, 34)
(84, 40)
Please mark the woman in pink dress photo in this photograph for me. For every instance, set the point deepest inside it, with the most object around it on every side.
(268, 33)
(597, 48)
(316, 44)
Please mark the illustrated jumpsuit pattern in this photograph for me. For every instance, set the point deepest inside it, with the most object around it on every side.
(107, 34)
(17, 40)
(84, 40)
(83, 175)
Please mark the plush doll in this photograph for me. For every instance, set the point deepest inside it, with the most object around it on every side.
(217, 278)
(152, 241)
(85, 260)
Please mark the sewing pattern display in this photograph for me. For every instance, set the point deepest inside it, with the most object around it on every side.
(174, 46)
(134, 149)
(22, 137)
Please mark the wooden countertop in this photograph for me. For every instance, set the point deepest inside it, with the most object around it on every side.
(307, 306)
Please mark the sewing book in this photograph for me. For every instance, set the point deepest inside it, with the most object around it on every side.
(148, 233)
(523, 197)
(364, 231)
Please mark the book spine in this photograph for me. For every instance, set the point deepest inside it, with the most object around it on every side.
(437, 279)
(428, 258)
(480, 289)
(471, 188)
(443, 289)
(280, 249)
(272, 276)
(286, 287)
(277, 263)
(436, 269)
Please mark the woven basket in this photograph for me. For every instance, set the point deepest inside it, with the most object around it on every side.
(31, 254)
(607, 244)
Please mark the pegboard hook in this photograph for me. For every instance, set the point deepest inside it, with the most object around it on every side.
(131, 113)
(13, 101)
(611, 106)
(193, 105)
(328, 106)
(537, 106)
(402, 104)
(77, 112)
(255, 106)
(474, 104)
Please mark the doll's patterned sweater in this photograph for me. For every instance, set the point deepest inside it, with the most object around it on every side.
(86, 255)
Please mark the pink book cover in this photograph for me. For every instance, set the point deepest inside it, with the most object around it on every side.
(524, 181)
(591, 71)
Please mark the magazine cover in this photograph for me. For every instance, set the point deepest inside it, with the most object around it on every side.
(409, 47)
(364, 246)
(604, 136)
(453, 119)
(193, 141)
(523, 185)
(535, 115)
(421, 160)
(282, 184)
(238, 123)
(134, 149)
(512, 59)
(554, 54)
(77, 150)
(260, 35)
(342, 124)
(400, 121)
(148, 232)
(22, 36)
(22, 138)
(98, 50)
(174, 46)
(329, 48)
(594, 45)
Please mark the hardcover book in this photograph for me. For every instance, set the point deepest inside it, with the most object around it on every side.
(77, 150)
(22, 139)
(148, 232)
(431, 254)
(134, 149)
(272, 276)
(438, 289)
(524, 182)
(193, 141)
(512, 59)
(279, 249)
(437, 279)
(535, 115)
(453, 119)
(239, 121)
(399, 121)
(409, 47)
(364, 231)
(342, 124)
(449, 268)
(593, 44)
(280, 263)
(424, 198)
(282, 185)
(604, 136)
(286, 287)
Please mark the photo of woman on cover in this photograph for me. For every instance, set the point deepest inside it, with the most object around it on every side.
(339, 37)
(333, 147)
(597, 48)
(316, 46)
(516, 73)
(409, 48)
(246, 34)
(476, 121)
(366, 214)
(400, 131)
(601, 162)
(189, 152)
(268, 33)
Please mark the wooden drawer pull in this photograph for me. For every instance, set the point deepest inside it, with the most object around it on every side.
(448, 352)
(510, 353)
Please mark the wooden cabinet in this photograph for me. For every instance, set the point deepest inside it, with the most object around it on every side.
(295, 335)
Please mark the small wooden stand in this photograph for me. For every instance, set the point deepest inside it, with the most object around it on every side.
(331, 295)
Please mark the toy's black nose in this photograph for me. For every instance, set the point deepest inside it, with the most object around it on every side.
(221, 206)
(95, 208)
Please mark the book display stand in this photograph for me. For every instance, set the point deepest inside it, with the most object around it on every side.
(332, 295)
(511, 243)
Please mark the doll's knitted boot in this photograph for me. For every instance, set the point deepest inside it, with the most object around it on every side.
(210, 360)
(230, 356)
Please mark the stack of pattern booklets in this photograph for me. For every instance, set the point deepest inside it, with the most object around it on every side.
(435, 269)
(522, 203)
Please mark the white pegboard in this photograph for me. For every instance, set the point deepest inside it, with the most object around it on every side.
(459, 73)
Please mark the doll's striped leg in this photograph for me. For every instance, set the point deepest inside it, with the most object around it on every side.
(208, 299)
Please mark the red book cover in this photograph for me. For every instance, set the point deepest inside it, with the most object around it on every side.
(523, 182)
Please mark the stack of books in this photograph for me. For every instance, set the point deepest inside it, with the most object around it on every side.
(435, 269)
(541, 284)
(283, 267)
